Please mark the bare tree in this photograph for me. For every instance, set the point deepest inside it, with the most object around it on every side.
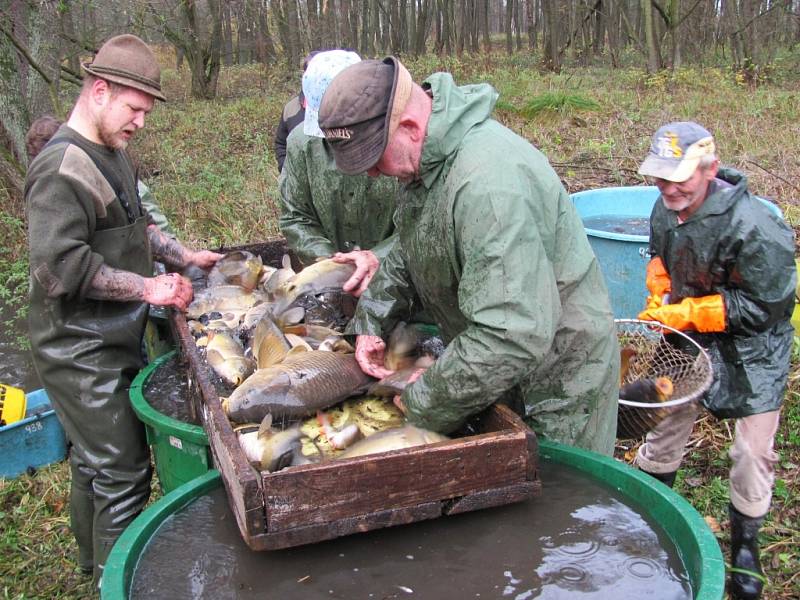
(30, 72)
(195, 27)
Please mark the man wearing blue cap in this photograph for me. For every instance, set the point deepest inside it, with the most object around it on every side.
(722, 270)
(323, 211)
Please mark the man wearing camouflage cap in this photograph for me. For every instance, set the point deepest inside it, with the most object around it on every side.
(490, 246)
(91, 253)
(722, 270)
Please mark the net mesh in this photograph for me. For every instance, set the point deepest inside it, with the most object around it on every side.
(650, 352)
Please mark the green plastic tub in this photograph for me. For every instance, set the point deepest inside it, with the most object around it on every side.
(180, 450)
(695, 543)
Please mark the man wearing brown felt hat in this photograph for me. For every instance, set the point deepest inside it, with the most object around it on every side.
(490, 246)
(91, 259)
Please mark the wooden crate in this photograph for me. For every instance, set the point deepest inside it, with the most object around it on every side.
(311, 503)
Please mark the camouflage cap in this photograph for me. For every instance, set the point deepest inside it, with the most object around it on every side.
(361, 109)
(676, 151)
(321, 70)
(127, 60)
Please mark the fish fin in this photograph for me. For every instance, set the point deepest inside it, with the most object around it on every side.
(265, 429)
(296, 350)
(293, 316)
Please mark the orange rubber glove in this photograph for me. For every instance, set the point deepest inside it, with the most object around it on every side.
(705, 314)
(657, 281)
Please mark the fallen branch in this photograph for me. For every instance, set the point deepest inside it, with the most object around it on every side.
(766, 170)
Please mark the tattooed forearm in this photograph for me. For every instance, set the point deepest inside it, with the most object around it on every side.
(114, 284)
(166, 249)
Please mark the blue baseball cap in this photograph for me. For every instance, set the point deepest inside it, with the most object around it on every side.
(676, 151)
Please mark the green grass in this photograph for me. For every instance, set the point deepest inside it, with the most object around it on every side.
(218, 185)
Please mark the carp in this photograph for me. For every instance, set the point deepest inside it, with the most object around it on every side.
(300, 385)
(648, 390)
(279, 276)
(320, 338)
(226, 356)
(271, 450)
(323, 276)
(401, 350)
(392, 385)
(240, 268)
(269, 344)
(223, 298)
(407, 436)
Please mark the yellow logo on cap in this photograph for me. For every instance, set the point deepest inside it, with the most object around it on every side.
(667, 146)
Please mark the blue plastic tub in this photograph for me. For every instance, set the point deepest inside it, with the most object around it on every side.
(36, 440)
(623, 257)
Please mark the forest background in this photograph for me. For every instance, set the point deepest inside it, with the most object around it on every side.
(585, 81)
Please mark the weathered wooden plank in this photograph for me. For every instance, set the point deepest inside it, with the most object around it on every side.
(516, 492)
(400, 478)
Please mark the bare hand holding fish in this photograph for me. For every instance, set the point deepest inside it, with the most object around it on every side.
(205, 259)
(366, 265)
(370, 350)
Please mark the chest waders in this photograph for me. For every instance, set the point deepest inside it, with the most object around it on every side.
(86, 354)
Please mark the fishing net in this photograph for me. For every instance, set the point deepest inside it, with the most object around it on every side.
(656, 351)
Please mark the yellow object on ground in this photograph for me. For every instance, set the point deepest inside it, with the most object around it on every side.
(12, 405)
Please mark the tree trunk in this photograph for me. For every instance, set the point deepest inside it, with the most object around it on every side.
(530, 25)
(30, 54)
(552, 33)
(227, 36)
(507, 22)
(264, 44)
(651, 43)
(293, 25)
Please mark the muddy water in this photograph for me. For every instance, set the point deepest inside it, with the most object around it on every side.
(16, 365)
(579, 539)
(167, 390)
(629, 225)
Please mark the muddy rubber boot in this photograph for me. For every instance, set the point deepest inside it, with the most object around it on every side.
(667, 479)
(744, 555)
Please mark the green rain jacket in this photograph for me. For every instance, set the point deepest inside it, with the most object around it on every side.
(490, 244)
(735, 246)
(325, 211)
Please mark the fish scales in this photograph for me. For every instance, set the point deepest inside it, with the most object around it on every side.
(299, 386)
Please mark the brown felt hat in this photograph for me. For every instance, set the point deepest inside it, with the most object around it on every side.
(127, 60)
(360, 110)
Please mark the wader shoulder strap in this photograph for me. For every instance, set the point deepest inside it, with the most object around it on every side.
(110, 176)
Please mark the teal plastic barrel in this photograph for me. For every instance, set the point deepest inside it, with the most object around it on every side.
(180, 450)
(623, 255)
(693, 539)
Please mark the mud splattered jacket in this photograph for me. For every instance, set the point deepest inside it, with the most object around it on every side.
(735, 246)
(491, 246)
(325, 211)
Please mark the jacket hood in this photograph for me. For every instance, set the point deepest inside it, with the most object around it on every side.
(456, 110)
(722, 200)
